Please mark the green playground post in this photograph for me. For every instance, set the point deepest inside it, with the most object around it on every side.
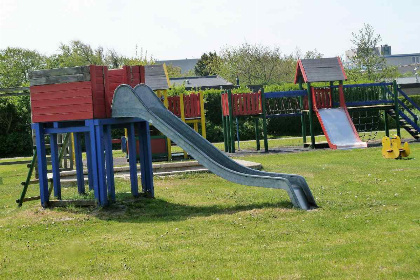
(386, 120)
(311, 111)
(231, 135)
(257, 133)
(303, 116)
(397, 110)
(264, 120)
(224, 124)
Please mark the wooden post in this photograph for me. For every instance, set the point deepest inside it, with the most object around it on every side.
(55, 165)
(224, 120)
(386, 120)
(132, 154)
(231, 134)
(99, 134)
(89, 160)
(203, 115)
(303, 116)
(146, 159)
(42, 163)
(311, 111)
(397, 110)
(182, 111)
(79, 163)
(109, 163)
(257, 133)
(166, 104)
(94, 157)
(264, 117)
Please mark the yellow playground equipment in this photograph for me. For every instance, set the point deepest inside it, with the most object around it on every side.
(391, 147)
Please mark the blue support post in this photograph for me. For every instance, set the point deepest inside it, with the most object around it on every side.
(42, 163)
(79, 164)
(89, 160)
(132, 160)
(103, 197)
(146, 159)
(94, 163)
(55, 165)
(109, 163)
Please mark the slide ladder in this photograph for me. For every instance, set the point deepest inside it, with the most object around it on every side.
(141, 102)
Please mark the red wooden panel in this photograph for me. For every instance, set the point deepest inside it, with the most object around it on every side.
(62, 109)
(99, 113)
(142, 75)
(113, 79)
(174, 105)
(60, 95)
(60, 87)
(158, 146)
(61, 101)
(63, 117)
(225, 104)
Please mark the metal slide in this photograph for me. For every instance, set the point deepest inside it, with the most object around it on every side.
(336, 123)
(339, 129)
(141, 102)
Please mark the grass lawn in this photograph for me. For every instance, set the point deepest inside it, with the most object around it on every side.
(203, 227)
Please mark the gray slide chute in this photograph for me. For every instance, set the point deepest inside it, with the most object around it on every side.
(141, 102)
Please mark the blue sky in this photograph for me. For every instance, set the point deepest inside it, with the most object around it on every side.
(186, 29)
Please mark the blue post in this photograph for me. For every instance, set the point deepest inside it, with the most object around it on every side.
(42, 163)
(146, 159)
(132, 160)
(103, 197)
(79, 164)
(94, 163)
(109, 163)
(89, 160)
(55, 165)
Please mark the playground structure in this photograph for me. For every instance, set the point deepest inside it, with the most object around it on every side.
(76, 100)
(332, 105)
(242, 105)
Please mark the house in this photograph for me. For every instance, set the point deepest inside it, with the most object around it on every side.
(203, 82)
(186, 65)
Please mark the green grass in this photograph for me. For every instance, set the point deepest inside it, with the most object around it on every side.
(203, 227)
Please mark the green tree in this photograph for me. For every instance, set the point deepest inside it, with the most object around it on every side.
(205, 65)
(15, 64)
(255, 64)
(173, 71)
(367, 62)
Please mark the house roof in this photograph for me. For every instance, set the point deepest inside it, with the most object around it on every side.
(401, 55)
(155, 76)
(185, 64)
(201, 82)
(320, 70)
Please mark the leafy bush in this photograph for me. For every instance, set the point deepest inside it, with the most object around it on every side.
(15, 126)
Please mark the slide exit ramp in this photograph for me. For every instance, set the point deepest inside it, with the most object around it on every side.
(141, 102)
(336, 123)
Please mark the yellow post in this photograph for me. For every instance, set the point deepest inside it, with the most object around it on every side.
(166, 74)
(73, 156)
(168, 141)
(196, 126)
(181, 104)
(203, 115)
